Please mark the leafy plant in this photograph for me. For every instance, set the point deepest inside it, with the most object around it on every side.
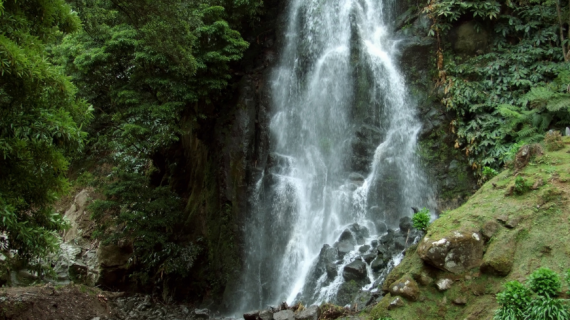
(516, 88)
(521, 185)
(567, 276)
(40, 124)
(544, 282)
(553, 141)
(421, 219)
(547, 308)
(515, 295)
(489, 173)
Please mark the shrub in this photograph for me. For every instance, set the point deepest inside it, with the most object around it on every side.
(515, 295)
(489, 173)
(553, 141)
(521, 185)
(421, 219)
(544, 282)
(508, 313)
(546, 308)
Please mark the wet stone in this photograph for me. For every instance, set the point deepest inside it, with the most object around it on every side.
(284, 315)
(356, 270)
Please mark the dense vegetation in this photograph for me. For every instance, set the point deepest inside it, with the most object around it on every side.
(516, 88)
(109, 84)
(41, 122)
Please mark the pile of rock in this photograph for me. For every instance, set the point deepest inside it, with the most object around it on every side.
(284, 312)
(375, 255)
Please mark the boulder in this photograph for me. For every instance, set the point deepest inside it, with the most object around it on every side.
(499, 257)
(405, 224)
(356, 270)
(444, 284)
(284, 315)
(368, 257)
(364, 248)
(310, 313)
(456, 253)
(266, 315)
(360, 233)
(396, 303)
(379, 263)
(489, 229)
(251, 315)
(331, 270)
(405, 287)
(344, 247)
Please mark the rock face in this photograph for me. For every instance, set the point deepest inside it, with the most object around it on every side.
(406, 287)
(457, 253)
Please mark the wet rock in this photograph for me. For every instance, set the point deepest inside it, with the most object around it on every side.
(251, 315)
(444, 284)
(405, 287)
(356, 270)
(489, 229)
(331, 270)
(379, 263)
(405, 224)
(310, 313)
(360, 233)
(356, 178)
(266, 314)
(368, 257)
(387, 238)
(201, 313)
(284, 315)
(344, 247)
(456, 253)
(400, 243)
(364, 248)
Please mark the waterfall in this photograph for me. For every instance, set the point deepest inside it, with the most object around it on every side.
(343, 141)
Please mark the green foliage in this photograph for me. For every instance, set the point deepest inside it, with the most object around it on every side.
(515, 89)
(151, 219)
(155, 72)
(553, 141)
(515, 295)
(521, 185)
(421, 219)
(546, 308)
(517, 302)
(544, 282)
(489, 173)
(40, 124)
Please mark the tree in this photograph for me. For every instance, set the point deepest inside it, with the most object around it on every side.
(40, 123)
(145, 66)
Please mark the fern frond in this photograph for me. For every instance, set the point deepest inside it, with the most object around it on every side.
(537, 96)
(561, 102)
(509, 111)
(526, 132)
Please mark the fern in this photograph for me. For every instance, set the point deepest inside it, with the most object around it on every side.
(562, 101)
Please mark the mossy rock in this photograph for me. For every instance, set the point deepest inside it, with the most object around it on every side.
(499, 258)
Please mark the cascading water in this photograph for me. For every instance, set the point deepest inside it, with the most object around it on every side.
(343, 160)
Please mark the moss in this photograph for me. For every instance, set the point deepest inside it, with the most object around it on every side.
(540, 239)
